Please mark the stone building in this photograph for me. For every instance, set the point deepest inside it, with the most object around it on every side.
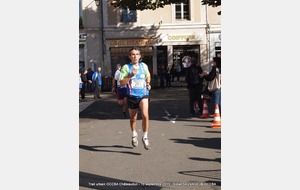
(164, 35)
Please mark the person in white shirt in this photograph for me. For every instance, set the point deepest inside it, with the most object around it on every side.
(120, 91)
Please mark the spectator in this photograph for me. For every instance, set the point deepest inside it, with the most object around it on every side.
(178, 71)
(168, 78)
(84, 82)
(97, 82)
(194, 79)
(216, 70)
(80, 81)
(162, 75)
(90, 80)
(173, 72)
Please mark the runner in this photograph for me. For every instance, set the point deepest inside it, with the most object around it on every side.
(120, 91)
(137, 78)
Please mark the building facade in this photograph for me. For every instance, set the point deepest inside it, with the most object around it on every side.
(165, 36)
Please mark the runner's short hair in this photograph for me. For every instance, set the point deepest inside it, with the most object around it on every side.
(133, 48)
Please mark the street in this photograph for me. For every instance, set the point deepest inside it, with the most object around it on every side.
(185, 152)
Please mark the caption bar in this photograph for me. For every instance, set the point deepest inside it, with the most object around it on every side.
(152, 184)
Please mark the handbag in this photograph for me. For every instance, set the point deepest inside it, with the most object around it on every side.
(215, 84)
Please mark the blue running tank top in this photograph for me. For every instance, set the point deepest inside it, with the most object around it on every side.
(136, 86)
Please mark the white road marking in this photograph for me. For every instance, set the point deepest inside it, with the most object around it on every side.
(168, 117)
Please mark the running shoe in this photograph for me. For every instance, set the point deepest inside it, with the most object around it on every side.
(146, 143)
(135, 141)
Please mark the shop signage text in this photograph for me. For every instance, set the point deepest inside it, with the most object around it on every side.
(82, 36)
(181, 38)
(131, 42)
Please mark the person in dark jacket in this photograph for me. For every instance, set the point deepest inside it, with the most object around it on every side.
(162, 72)
(173, 72)
(168, 78)
(84, 82)
(89, 80)
(194, 78)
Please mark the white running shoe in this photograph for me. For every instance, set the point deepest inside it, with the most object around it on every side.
(135, 141)
(146, 143)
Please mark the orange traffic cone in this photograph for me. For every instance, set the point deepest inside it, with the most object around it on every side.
(205, 113)
(217, 118)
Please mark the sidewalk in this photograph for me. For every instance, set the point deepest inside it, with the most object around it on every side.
(89, 99)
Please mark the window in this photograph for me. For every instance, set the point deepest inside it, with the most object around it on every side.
(128, 15)
(217, 50)
(182, 11)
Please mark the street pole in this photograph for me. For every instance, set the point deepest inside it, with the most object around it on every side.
(207, 33)
(102, 39)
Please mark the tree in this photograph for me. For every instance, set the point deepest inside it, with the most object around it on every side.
(213, 3)
(154, 4)
(143, 4)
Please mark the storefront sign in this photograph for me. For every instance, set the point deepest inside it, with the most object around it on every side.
(181, 37)
(82, 36)
(130, 42)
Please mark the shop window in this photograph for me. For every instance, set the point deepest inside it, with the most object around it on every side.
(128, 15)
(182, 11)
(217, 50)
(184, 55)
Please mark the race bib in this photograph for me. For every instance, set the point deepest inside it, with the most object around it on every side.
(137, 83)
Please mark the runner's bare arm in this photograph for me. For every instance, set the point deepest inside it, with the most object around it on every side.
(148, 80)
(127, 79)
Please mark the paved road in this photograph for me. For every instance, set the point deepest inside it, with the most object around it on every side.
(185, 154)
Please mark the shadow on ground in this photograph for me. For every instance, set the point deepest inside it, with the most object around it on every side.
(206, 160)
(213, 143)
(97, 149)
